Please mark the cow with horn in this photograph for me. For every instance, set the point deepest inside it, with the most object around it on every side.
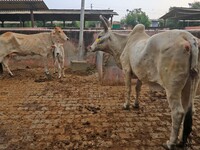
(169, 60)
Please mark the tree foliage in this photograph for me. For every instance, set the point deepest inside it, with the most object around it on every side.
(195, 5)
(91, 24)
(134, 17)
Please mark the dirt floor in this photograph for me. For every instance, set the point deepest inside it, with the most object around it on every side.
(77, 112)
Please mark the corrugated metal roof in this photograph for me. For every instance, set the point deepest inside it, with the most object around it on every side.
(182, 13)
(55, 14)
(22, 5)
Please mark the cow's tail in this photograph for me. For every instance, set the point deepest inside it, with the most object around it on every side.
(188, 122)
(1, 68)
(194, 55)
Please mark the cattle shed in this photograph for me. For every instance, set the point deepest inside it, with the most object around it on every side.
(36, 10)
(182, 14)
(54, 15)
(21, 5)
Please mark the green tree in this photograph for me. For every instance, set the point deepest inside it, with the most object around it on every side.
(195, 5)
(90, 24)
(173, 24)
(136, 16)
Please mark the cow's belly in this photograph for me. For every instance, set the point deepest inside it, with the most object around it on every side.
(144, 67)
(146, 73)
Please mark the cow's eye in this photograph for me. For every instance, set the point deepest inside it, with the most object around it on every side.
(99, 36)
(101, 41)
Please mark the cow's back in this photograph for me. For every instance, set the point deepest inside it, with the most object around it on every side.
(163, 56)
(135, 39)
(30, 44)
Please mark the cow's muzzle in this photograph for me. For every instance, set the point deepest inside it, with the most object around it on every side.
(91, 49)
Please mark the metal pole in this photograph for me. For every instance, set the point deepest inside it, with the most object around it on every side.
(81, 50)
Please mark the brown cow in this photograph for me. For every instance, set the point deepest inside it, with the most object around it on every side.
(169, 60)
(33, 44)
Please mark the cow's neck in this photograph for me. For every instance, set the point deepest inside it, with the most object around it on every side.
(118, 43)
(52, 38)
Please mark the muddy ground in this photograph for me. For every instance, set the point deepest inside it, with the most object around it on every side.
(77, 112)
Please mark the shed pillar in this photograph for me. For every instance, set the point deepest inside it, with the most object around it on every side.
(164, 22)
(64, 24)
(2, 23)
(44, 23)
(111, 20)
(32, 19)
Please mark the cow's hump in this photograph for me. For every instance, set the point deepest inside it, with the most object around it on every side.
(138, 28)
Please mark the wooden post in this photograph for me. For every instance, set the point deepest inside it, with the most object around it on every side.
(32, 19)
(2, 23)
(164, 23)
(44, 23)
(64, 24)
(111, 20)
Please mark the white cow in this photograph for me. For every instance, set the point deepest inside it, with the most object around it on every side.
(59, 59)
(169, 60)
(33, 44)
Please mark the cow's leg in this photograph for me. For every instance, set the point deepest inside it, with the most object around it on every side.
(54, 61)
(59, 70)
(137, 89)
(5, 63)
(63, 67)
(46, 70)
(54, 66)
(177, 113)
(128, 88)
(1, 69)
(188, 94)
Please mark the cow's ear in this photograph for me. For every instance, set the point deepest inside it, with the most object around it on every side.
(104, 22)
(53, 32)
(53, 46)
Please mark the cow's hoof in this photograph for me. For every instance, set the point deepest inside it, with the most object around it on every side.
(11, 75)
(180, 144)
(165, 146)
(49, 77)
(126, 107)
(168, 147)
(136, 106)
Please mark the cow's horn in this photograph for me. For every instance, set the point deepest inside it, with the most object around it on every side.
(107, 22)
(105, 25)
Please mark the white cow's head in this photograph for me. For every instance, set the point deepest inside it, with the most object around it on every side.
(103, 40)
(58, 49)
(59, 35)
